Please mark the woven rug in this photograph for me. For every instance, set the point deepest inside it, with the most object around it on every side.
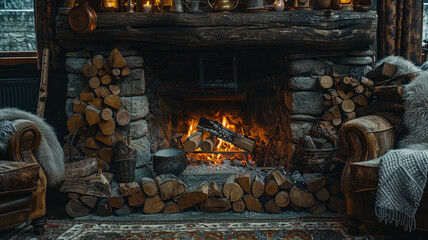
(236, 229)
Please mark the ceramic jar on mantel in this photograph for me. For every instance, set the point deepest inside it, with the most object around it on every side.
(278, 5)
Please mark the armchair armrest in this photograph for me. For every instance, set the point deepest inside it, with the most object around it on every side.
(23, 142)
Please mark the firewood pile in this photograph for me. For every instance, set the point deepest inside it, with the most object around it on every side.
(387, 89)
(89, 190)
(342, 97)
(97, 111)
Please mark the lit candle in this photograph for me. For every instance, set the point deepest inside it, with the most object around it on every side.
(147, 7)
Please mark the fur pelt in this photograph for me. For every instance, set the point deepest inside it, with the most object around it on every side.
(415, 111)
(50, 154)
(404, 66)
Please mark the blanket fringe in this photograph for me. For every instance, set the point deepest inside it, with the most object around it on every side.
(399, 218)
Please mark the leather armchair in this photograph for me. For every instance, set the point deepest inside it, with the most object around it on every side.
(22, 180)
(362, 140)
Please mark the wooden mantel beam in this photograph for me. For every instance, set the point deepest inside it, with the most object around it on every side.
(309, 29)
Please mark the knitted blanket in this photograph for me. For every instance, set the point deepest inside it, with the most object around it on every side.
(402, 179)
(6, 128)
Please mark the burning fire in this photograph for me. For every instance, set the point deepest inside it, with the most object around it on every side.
(222, 146)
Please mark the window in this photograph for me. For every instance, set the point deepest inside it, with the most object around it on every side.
(17, 32)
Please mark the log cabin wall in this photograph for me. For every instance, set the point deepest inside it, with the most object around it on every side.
(278, 69)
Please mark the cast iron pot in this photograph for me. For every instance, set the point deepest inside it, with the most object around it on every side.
(169, 160)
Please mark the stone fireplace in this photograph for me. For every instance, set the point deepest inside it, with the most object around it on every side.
(271, 63)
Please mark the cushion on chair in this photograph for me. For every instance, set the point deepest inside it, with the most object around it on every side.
(18, 176)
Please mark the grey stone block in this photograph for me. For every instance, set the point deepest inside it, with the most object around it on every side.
(302, 83)
(362, 52)
(132, 85)
(143, 172)
(134, 62)
(307, 103)
(359, 71)
(79, 54)
(356, 60)
(137, 106)
(74, 65)
(308, 67)
(69, 107)
(303, 117)
(135, 129)
(75, 84)
(299, 128)
(142, 146)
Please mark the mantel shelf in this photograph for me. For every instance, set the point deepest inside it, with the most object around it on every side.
(318, 29)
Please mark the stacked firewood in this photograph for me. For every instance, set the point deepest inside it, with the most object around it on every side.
(387, 89)
(322, 135)
(168, 194)
(97, 111)
(343, 95)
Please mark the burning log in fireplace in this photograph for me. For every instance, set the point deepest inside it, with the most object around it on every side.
(218, 130)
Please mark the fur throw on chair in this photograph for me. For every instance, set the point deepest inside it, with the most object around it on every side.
(404, 66)
(415, 111)
(50, 154)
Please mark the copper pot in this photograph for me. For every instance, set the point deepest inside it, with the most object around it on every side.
(82, 18)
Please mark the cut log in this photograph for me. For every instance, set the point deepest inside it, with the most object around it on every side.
(227, 135)
(112, 101)
(336, 100)
(103, 165)
(322, 194)
(231, 189)
(170, 186)
(102, 92)
(92, 115)
(96, 103)
(342, 93)
(215, 190)
(106, 154)
(115, 200)
(125, 71)
(314, 182)
(258, 187)
(97, 186)
(209, 144)
(381, 72)
(191, 196)
(301, 198)
(193, 142)
(107, 127)
(106, 114)
(359, 89)
(171, 207)
(125, 210)
(114, 89)
(215, 205)
(75, 208)
(283, 180)
(271, 187)
(137, 199)
(82, 168)
(106, 79)
(116, 72)
(282, 199)
(149, 186)
(272, 207)
(79, 107)
(238, 206)
(347, 106)
(153, 205)
(390, 93)
(326, 82)
(106, 139)
(94, 82)
(318, 208)
(129, 189)
(307, 142)
(245, 181)
(349, 116)
(90, 152)
(104, 209)
(252, 203)
(91, 143)
(98, 61)
(336, 121)
(86, 94)
(74, 195)
(89, 201)
(101, 72)
(123, 117)
(116, 60)
(107, 68)
(345, 83)
(89, 70)
(71, 151)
